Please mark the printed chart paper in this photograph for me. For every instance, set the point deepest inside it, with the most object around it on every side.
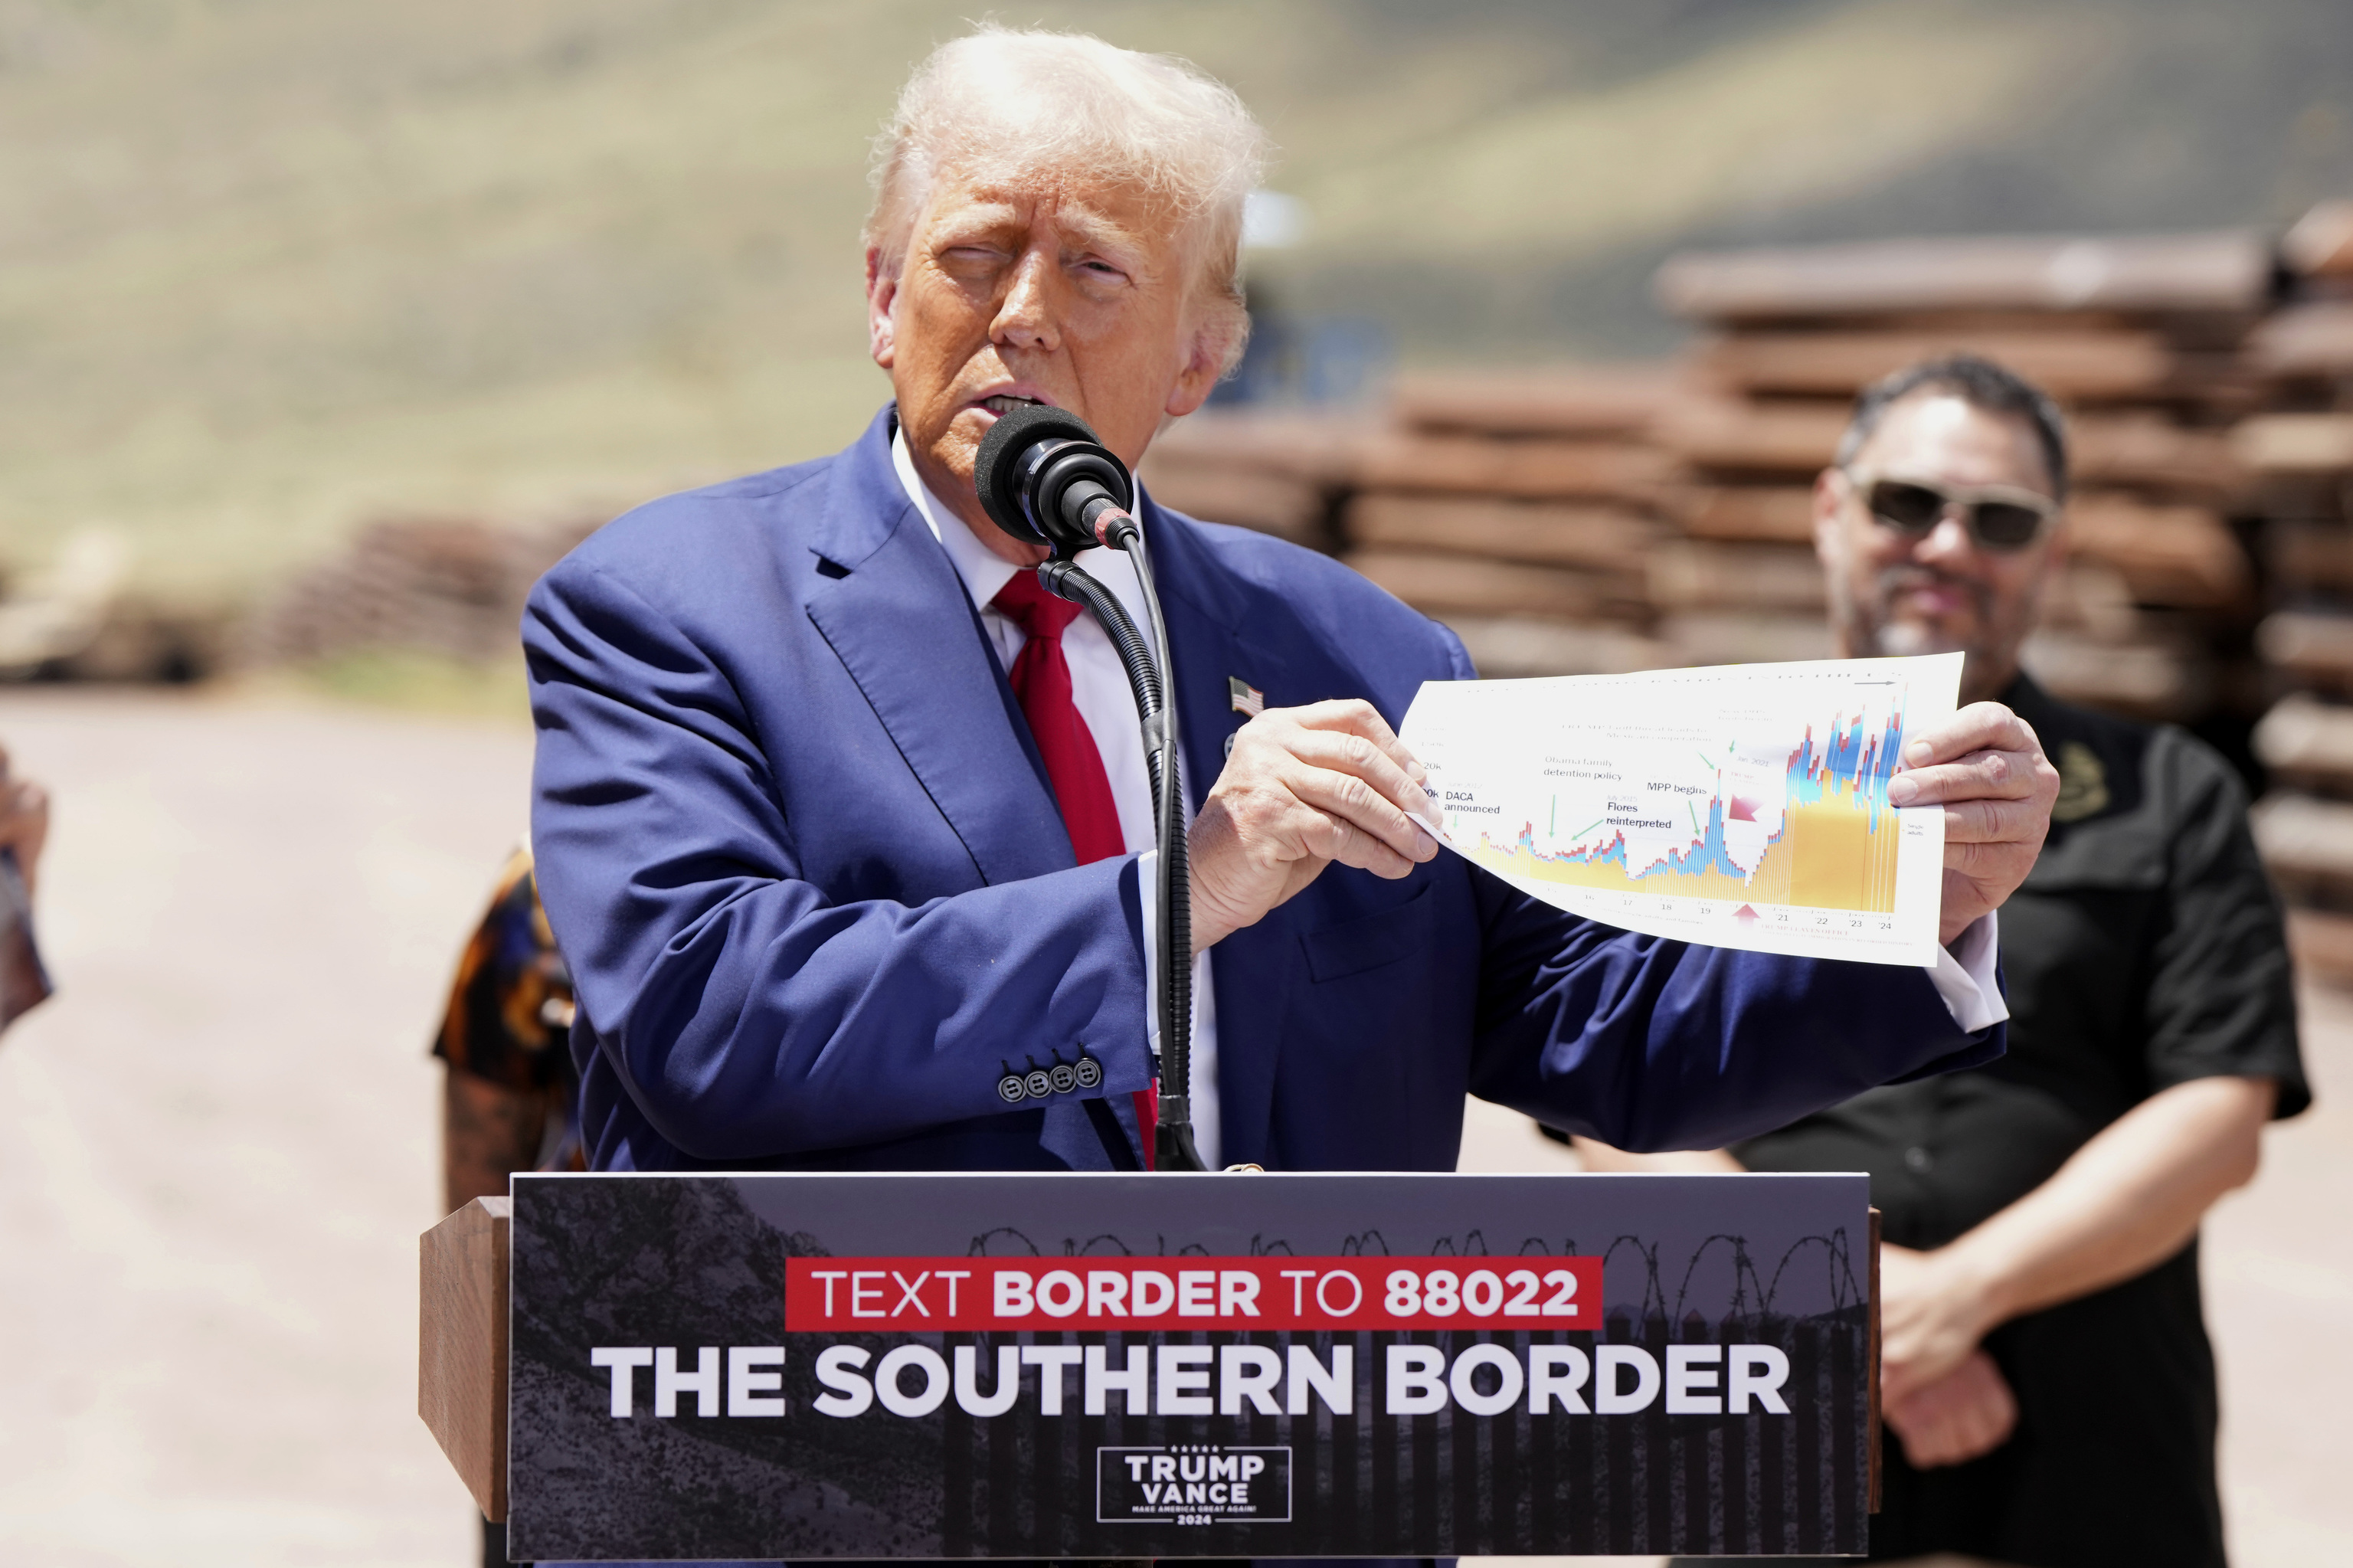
(1744, 806)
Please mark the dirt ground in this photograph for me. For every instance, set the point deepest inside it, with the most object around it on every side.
(217, 1148)
(217, 1142)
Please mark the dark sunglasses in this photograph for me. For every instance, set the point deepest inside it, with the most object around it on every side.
(1997, 516)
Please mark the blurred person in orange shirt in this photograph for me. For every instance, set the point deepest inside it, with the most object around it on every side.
(24, 821)
(505, 1038)
(2048, 1387)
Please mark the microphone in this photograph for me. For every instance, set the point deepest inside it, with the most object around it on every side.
(1045, 478)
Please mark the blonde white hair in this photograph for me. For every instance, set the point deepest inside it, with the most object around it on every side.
(1066, 100)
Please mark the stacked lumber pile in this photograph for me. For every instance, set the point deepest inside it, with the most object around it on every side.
(78, 617)
(2140, 341)
(1521, 510)
(2298, 453)
(453, 586)
(1281, 472)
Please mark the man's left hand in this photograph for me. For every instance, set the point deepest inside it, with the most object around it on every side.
(1986, 767)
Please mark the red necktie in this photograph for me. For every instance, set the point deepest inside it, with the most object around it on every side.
(1041, 680)
(1041, 683)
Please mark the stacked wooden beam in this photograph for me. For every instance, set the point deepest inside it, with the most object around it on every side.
(453, 586)
(2140, 341)
(1282, 472)
(1522, 509)
(1616, 517)
(2298, 452)
(1519, 508)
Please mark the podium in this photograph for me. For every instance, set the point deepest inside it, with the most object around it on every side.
(768, 1366)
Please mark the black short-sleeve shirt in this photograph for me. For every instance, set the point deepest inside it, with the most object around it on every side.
(2145, 949)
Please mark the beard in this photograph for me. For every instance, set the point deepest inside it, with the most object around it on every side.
(1875, 627)
(1907, 639)
(1989, 631)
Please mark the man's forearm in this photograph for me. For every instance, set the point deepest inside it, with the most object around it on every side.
(2126, 1201)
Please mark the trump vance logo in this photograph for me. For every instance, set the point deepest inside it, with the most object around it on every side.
(1193, 1483)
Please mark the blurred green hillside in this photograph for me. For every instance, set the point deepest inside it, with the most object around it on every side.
(271, 268)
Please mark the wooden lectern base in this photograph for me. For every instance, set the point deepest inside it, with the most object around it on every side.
(462, 1353)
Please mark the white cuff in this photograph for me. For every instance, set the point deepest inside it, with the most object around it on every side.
(1963, 975)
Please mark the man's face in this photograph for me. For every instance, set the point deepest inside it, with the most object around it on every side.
(1053, 289)
(1893, 592)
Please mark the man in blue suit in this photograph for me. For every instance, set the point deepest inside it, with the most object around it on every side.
(840, 827)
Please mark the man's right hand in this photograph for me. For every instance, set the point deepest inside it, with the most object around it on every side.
(1304, 788)
(1967, 1412)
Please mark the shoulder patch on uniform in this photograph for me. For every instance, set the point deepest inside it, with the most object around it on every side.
(2083, 784)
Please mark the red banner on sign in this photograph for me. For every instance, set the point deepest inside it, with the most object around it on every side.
(902, 1295)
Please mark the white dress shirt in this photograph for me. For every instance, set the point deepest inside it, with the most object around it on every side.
(1965, 981)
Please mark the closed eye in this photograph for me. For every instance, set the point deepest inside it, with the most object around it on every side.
(969, 259)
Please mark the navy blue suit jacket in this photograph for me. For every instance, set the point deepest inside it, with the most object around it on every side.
(800, 854)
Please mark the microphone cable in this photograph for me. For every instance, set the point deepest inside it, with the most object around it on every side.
(1173, 1146)
(1045, 478)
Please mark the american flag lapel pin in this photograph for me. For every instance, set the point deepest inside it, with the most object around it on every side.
(1247, 698)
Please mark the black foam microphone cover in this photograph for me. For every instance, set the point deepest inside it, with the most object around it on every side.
(1027, 460)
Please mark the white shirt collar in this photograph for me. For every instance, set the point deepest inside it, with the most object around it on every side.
(984, 572)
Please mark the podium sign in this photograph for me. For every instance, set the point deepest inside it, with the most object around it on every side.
(1119, 1366)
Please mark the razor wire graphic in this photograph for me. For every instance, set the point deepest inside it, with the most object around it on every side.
(1753, 1294)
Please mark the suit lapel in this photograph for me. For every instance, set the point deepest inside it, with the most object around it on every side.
(888, 601)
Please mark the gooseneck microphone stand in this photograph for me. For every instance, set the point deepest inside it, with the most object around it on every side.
(1045, 479)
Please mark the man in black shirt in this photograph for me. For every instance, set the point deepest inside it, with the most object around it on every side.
(2048, 1388)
